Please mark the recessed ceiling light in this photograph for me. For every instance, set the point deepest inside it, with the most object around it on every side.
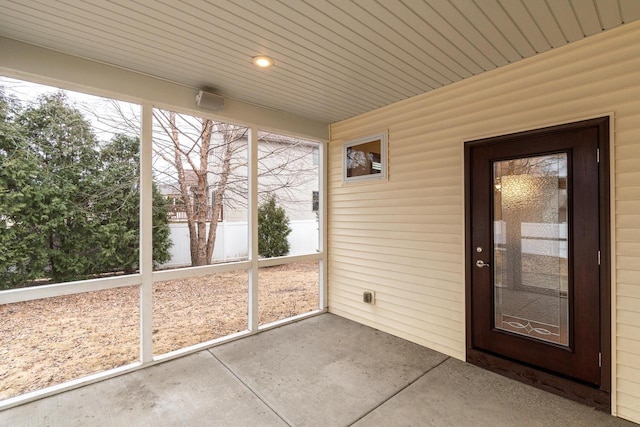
(262, 61)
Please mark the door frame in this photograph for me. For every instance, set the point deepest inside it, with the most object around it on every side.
(601, 397)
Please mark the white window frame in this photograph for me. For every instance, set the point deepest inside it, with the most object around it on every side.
(384, 158)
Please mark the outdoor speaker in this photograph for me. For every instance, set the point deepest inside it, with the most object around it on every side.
(210, 101)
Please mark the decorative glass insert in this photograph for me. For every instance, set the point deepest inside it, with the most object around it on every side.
(531, 247)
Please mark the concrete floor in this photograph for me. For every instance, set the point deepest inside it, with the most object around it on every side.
(323, 371)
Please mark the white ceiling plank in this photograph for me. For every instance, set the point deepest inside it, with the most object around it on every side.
(400, 19)
(391, 41)
(358, 36)
(630, 10)
(609, 13)
(221, 67)
(157, 61)
(163, 50)
(398, 32)
(567, 19)
(224, 60)
(112, 56)
(225, 16)
(313, 58)
(525, 23)
(45, 19)
(466, 66)
(587, 16)
(416, 73)
(475, 60)
(334, 58)
(478, 19)
(452, 57)
(343, 54)
(220, 54)
(511, 32)
(546, 22)
(459, 21)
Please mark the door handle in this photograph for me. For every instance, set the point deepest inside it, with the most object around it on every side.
(480, 264)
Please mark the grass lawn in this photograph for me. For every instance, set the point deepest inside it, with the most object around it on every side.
(49, 341)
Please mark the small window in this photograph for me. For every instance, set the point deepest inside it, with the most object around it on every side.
(315, 201)
(316, 156)
(365, 158)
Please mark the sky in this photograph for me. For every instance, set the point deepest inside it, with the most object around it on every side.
(103, 113)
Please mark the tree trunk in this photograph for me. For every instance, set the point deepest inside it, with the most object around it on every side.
(202, 193)
(184, 189)
(220, 189)
(197, 199)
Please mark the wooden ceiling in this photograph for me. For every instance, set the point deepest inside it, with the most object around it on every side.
(334, 59)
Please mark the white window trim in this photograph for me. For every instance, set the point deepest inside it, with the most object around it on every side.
(384, 158)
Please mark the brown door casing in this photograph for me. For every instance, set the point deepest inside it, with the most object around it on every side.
(579, 369)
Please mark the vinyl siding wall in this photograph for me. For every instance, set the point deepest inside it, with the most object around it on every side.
(404, 238)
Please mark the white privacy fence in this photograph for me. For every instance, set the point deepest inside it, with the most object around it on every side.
(537, 238)
(232, 241)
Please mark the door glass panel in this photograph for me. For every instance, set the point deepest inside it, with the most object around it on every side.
(530, 247)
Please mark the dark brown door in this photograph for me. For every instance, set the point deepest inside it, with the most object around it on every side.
(534, 249)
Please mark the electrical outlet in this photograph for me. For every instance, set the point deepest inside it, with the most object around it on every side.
(369, 297)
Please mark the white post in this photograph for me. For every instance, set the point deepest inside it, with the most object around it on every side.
(322, 225)
(253, 228)
(222, 232)
(146, 233)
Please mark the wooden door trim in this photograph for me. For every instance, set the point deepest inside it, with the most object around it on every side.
(592, 396)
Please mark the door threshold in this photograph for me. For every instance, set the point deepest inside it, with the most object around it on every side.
(578, 392)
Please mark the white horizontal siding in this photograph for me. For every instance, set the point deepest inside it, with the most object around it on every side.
(404, 238)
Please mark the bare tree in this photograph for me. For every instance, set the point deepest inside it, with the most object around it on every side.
(204, 162)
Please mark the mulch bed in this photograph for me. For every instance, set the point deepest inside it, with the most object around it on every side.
(49, 341)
